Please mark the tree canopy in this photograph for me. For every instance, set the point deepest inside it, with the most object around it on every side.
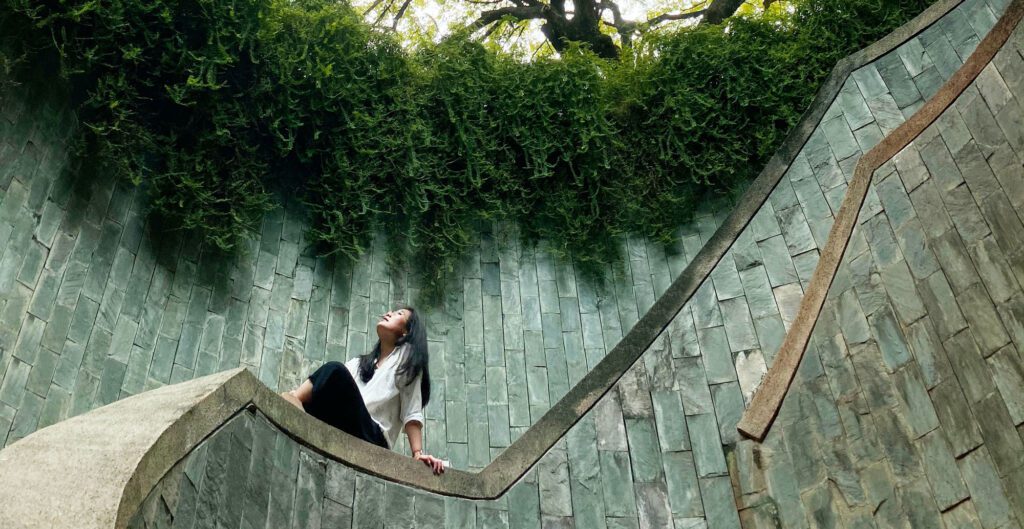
(217, 105)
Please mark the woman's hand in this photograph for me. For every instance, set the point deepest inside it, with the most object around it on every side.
(436, 464)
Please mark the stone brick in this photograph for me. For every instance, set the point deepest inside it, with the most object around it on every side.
(985, 489)
(718, 363)
(874, 379)
(1008, 374)
(961, 516)
(692, 386)
(898, 80)
(1001, 439)
(718, 501)
(553, 478)
(915, 402)
(777, 261)
(788, 298)
(617, 483)
(941, 303)
(928, 204)
(886, 112)
(644, 451)
(890, 339)
(670, 421)
(707, 446)
(851, 318)
(941, 470)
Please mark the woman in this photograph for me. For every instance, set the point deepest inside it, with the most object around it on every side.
(376, 395)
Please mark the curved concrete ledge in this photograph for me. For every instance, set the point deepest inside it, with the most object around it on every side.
(764, 406)
(112, 457)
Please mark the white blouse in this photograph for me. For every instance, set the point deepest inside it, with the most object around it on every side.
(391, 402)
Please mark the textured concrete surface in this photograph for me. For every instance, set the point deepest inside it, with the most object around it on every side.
(855, 432)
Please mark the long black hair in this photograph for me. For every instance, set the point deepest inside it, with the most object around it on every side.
(415, 361)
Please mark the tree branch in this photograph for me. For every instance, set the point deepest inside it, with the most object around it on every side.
(719, 10)
(674, 16)
(517, 12)
(372, 7)
(400, 14)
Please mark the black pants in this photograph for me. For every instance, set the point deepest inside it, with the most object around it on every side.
(337, 401)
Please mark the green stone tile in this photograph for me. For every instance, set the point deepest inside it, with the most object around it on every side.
(928, 352)
(941, 304)
(493, 346)
(707, 446)
(985, 488)
(898, 80)
(693, 386)
(635, 393)
(738, 325)
(14, 382)
(853, 106)
(915, 59)
(368, 506)
(537, 386)
(757, 288)
(479, 437)
(744, 251)
(611, 430)
(961, 516)
(870, 83)
(683, 488)
(29, 338)
(27, 419)
(575, 356)
(903, 458)
(729, 407)
(111, 379)
(916, 405)
(459, 514)
(764, 225)
(553, 481)
(652, 504)
(585, 475)
(45, 295)
(557, 374)
(670, 421)
(941, 470)
(617, 483)
(1001, 439)
(55, 408)
(41, 373)
(644, 451)
(32, 263)
(890, 338)
(777, 261)
(715, 349)
(719, 506)
(726, 280)
(110, 307)
(704, 305)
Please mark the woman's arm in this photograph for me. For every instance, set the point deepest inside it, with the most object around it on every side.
(414, 429)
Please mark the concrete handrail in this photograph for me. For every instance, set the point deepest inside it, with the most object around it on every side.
(93, 471)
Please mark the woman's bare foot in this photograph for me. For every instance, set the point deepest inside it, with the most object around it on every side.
(290, 397)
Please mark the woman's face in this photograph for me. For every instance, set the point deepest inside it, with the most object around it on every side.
(393, 323)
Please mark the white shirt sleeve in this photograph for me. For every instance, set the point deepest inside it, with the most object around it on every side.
(412, 401)
(353, 367)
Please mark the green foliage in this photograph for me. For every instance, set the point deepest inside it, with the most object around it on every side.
(214, 103)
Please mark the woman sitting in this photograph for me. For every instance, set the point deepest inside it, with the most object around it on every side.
(376, 395)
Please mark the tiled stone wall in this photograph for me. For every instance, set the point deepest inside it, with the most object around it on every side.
(93, 308)
(908, 409)
(657, 451)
